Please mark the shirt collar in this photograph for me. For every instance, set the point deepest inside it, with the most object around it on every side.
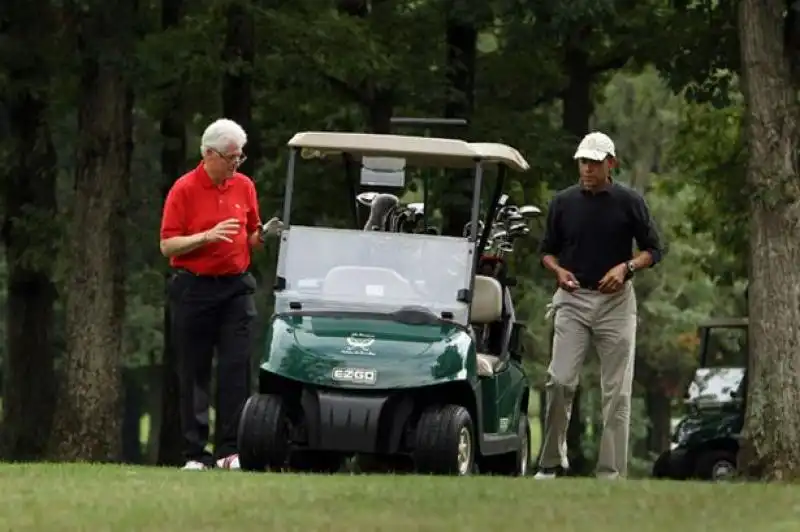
(605, 189)
(205, 179)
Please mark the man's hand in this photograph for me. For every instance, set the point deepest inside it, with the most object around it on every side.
(613, 280)
(567, 280)
(222, 231)
(273, 227)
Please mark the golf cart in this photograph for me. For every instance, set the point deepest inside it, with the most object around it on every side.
(385, 343)
(706, 441)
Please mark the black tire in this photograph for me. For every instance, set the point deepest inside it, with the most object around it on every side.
(263, 436)
(516, 463)
(661, 467)
(710, 464)
(439, 432)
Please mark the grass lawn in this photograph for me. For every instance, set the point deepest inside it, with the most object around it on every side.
(99, 498)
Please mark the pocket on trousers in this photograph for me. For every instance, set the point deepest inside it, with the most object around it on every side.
(177, 286)
(250, 308)
(249, 281)
(552, 307)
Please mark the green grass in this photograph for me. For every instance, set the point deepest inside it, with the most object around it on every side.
(98, 498)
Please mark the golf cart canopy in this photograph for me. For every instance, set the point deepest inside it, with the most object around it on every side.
(417, 151)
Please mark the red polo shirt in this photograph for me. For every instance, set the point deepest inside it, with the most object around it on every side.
(195, 204)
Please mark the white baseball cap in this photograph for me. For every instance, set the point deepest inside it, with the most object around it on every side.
(595, 146)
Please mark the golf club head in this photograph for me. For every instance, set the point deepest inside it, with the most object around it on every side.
(417, 208)
(530, 210)
(503, 212)
(366, 198)
(503, 200)
(506, 247)
(467, 232)
(514, 217)
(519, 229)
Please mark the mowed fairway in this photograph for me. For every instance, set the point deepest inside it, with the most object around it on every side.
(98, 498)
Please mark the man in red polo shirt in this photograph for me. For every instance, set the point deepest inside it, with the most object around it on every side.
(210, 225)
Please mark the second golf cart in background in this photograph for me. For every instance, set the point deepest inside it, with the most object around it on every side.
(705, 442)
(386, 343)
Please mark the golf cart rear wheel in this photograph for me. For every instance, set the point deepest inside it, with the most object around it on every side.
(263, 437)
(445, 441)
(516, 463)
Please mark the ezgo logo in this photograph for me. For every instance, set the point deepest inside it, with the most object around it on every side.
(355, 375)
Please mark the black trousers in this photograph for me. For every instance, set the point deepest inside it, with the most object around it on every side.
(208, 313)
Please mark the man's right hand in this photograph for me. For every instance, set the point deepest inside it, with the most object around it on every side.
(567, 280)
(222, 231)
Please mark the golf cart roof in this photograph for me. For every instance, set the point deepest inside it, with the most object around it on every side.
(417, 151)
(724, 322)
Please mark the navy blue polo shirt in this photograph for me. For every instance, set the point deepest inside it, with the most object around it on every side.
(591, 232)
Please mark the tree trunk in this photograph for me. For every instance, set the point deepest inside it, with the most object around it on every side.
(771, 436)
(461, 42)
(88, 420)
(659, 414)
(237, 84)
(381, 107)
(578, 106)
(173, 159)
(29, 192)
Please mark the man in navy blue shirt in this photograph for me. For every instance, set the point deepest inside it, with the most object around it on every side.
(588, 246)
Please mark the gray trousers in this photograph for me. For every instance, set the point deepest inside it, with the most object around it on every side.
(608, 322)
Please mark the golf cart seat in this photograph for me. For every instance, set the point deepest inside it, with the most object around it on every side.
(487, 307)
(358, 281)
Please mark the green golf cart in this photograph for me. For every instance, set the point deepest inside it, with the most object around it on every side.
(706, 441)
(387, 345)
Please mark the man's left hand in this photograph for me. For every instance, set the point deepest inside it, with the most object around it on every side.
(614, 280)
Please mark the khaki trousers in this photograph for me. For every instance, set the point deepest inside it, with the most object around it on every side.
(608, 322)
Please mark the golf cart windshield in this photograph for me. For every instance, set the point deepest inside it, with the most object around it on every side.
(326, 269)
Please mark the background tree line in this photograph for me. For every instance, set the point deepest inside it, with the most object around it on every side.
(102, 104)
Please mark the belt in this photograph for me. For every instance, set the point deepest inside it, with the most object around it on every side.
(184, 271)
(587, 285)
(594, 287)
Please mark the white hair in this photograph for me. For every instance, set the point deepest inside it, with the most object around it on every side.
(221, 134)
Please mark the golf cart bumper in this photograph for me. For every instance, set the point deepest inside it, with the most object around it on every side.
(674, 463)
(354, 423)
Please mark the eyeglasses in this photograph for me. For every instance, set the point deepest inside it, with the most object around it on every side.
(231, 159)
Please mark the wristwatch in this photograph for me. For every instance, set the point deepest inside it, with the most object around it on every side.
(631, 267)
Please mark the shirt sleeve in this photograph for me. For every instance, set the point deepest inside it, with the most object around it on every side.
(253, 216)
(645, 232)
(173, 219)
(551, 241)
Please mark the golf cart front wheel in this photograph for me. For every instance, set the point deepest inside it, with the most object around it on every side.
(445, 441)
(263, 436)
(716, 465)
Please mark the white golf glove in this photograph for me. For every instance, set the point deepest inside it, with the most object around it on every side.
(273, 227)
